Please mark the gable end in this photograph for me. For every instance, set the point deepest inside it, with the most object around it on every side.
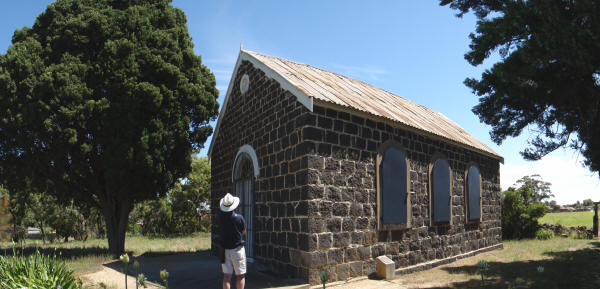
(301, 95)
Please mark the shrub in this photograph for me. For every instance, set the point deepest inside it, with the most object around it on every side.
(576, 234)
(544, 234)
(36, 272)
(519, 214)
(48, 213)
(69, 222)
(182, 211)
(171, 215)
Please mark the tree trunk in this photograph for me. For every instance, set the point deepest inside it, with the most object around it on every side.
(116, 215)
(41, 225)
(100, 233)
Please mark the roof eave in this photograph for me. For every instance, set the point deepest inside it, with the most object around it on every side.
(371, 116)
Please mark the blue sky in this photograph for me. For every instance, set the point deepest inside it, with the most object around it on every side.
(411, 48)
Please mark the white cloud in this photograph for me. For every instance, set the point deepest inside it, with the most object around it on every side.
(571, 182)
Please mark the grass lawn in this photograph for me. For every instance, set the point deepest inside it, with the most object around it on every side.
(569, 219)
(566, 262)
(87, 256)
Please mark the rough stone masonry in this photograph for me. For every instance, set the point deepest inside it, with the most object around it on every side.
(316, 196)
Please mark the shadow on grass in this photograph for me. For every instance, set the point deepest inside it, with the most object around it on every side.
(60, 253)
(565, 269)
(74, 253)
(169, 253)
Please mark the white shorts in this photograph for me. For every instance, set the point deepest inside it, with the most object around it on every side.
(235, 259)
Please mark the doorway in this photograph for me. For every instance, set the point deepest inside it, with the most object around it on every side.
(243, 183)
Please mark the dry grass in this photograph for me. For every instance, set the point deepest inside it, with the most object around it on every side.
(567, 263)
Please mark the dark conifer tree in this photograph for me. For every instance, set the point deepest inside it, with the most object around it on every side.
(549, 76)
(103, 102)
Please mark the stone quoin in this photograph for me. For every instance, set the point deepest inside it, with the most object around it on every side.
(333, 172)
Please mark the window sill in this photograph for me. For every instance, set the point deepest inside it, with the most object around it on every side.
(473, 221)
(441, 224)
(393, 227)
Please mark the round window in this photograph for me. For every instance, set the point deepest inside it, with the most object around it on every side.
(244, 83)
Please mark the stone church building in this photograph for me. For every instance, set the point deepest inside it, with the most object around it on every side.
(333, 172)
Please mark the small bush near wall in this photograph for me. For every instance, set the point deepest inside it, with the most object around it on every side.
(544, 234)
(519, 215)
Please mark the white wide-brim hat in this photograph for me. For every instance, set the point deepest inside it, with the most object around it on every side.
(229, 203)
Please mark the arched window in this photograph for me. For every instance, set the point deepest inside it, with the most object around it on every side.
(473, 194)
(440, 185)
(394, 202)
(245, 171)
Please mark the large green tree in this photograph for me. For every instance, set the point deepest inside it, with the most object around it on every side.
(183, 210)
(540, 190)
(102, 102)
(548, 78)
(196, 187)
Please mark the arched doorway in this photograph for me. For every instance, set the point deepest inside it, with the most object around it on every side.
(245, 170)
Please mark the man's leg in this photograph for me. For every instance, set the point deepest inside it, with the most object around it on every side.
(226, 281)
(240, 281)
(238, 261)
(227, 270)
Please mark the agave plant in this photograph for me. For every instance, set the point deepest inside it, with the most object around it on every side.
(483, 268)
(36, 271)
(515, 282)
(141, 280)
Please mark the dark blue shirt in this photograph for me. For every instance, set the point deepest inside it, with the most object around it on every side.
(231, 226)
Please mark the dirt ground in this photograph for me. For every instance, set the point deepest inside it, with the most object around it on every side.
(112, 279)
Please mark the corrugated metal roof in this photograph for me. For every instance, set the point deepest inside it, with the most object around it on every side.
(330, 87)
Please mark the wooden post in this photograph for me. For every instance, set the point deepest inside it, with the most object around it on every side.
(595, 228)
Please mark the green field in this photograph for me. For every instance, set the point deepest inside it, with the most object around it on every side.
(569, 219)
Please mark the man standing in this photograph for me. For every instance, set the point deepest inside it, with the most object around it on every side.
(232, 227)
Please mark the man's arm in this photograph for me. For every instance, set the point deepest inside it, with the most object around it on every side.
(243, 223)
